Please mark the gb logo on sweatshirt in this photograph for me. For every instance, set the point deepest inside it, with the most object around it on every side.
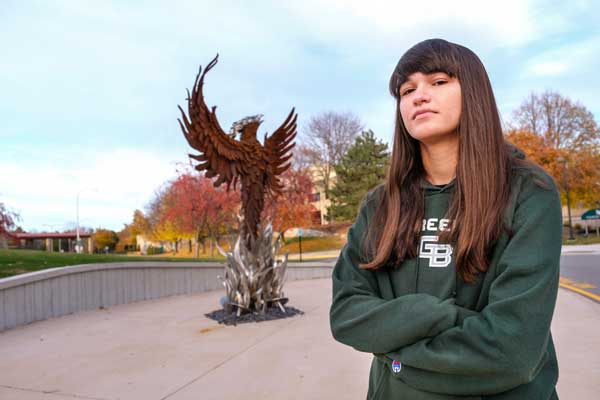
(438, 255)
(396, 366)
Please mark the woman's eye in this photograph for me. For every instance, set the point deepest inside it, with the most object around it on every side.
(440, 82)
(406, 91)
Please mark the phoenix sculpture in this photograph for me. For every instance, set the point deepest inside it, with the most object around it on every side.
(251, 280)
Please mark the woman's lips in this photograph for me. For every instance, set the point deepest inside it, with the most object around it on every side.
(424, 115)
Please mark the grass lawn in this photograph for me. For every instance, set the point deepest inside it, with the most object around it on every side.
(591, 239)
(14, 262)
(310, 244)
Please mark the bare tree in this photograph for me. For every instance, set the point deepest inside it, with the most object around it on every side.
(7, 222)
(328, 137)
(304, 156)
(154, 209)
(562, 123)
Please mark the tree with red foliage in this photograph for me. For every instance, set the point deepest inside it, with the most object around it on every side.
(293, 207)
(205, 210)
(190, 206)
(222, 214)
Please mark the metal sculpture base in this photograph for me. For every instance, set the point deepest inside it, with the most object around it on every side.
(254, 280)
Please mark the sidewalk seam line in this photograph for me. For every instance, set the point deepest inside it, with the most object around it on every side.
(57, 393)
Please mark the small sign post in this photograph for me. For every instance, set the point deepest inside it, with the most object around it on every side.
(300, 241)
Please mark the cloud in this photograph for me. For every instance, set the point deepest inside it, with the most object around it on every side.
(548, 68)
(111, 185)
(91, 89)
(383, 22)
(574, 57)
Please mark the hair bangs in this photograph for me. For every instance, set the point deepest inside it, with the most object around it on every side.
(435, 55)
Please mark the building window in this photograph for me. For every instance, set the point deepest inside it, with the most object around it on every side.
(316, 217)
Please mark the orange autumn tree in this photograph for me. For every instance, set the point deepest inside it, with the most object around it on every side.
(128, 235)
(551, 127)
(583, 165)
(538, 151)
(126, 240)
(163, 224)
(584, 176)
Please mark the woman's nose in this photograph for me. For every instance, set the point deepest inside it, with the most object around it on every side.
(421, 96)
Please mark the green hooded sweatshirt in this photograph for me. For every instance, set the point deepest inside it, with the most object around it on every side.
(435, 336)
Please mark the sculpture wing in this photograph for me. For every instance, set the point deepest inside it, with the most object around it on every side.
(276, 148)
(222, 155)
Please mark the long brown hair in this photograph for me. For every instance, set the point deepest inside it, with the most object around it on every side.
(483, 171)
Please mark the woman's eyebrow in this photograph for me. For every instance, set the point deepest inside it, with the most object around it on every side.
(406, 82)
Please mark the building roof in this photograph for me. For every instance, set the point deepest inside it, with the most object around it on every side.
(64, 235)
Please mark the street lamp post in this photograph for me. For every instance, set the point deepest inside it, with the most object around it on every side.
(78, 240)
(567, 191)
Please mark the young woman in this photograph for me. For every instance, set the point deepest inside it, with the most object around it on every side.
(450, 273)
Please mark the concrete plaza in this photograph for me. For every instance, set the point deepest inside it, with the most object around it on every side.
(168, 349)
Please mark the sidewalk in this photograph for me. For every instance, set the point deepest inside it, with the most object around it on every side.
(315, 255)
(581, 249)
(167, 349)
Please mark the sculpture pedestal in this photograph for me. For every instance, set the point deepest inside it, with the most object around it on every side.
(254, 279)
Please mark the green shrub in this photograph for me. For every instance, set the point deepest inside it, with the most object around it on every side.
(151, 250)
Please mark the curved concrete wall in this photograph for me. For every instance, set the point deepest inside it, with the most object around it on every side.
(55, 292)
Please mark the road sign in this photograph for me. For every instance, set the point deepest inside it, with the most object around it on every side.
(591, 214)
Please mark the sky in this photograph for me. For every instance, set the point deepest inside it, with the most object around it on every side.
(89, 89)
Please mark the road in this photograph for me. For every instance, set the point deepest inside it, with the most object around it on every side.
(580, 272)
(579, 268)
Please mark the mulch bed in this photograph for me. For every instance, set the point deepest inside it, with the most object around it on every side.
(272, 313)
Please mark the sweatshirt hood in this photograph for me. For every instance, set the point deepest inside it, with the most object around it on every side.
(515, 151)
(431, 189)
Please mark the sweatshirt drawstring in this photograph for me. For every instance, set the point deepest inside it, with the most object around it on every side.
(420, 233)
